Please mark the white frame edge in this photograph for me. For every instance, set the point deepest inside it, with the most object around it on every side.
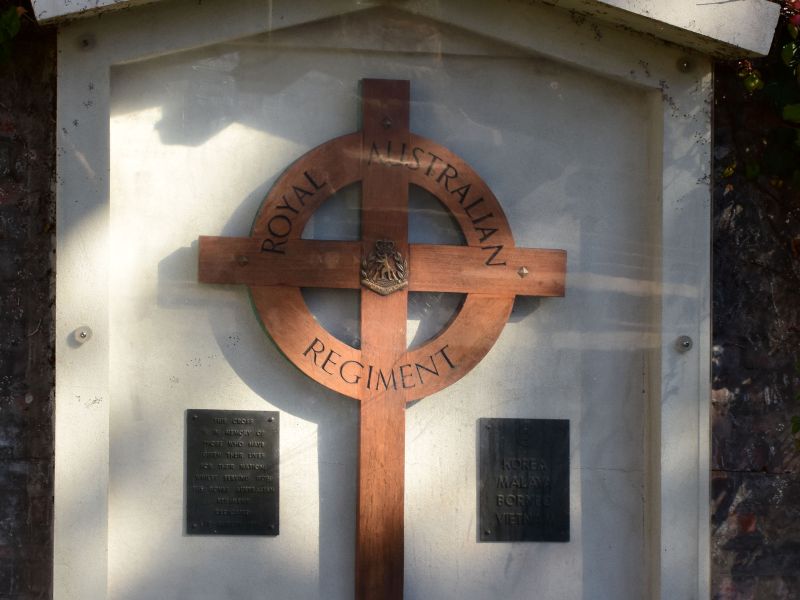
(679, 495)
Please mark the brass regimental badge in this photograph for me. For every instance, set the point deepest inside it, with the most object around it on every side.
(385, 270)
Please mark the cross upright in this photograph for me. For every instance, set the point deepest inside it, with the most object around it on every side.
(383, 374)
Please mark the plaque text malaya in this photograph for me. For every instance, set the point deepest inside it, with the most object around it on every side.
(523, 484)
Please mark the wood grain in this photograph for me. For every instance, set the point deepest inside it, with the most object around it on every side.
(332, 264)
(384, 216)
(463, 269)
(331, 167)
(304, 263)
(466, 341)
(299, 336)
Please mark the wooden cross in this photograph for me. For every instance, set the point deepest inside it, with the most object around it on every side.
(383, 375)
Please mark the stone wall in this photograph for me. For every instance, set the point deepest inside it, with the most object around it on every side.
(27, 221)
(756, 353)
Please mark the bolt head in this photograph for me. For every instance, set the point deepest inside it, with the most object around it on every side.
(522, 272)
(82, 334)
(684, 64)
(684, 343)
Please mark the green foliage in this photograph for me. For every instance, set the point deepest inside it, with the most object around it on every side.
(791, 112)
(10, 24)
(789, 53)
(771, 146)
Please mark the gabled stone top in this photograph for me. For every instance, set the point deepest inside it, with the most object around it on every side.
(723, 29)
(720, 28)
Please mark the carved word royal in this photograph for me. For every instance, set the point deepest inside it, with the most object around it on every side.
(383, 374)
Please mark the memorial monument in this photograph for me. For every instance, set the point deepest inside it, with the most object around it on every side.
(483, 231)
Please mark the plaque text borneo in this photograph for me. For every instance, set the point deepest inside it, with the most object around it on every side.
(383, 374)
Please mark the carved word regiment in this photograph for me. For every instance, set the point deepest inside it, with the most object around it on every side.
(383, 375)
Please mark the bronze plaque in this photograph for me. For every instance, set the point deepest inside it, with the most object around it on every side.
(523, 484)
(232, 472)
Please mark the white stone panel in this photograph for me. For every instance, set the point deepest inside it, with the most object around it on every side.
(589, 147)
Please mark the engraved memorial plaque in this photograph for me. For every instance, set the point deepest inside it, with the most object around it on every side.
(523, 484)
(232, 472)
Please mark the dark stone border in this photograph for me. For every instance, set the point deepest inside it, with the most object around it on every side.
(27, 226)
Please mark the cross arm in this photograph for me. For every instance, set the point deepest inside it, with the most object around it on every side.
(470, 269)
(334, 264)
(297, 263)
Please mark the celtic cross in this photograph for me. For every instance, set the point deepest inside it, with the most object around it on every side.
(383, 374)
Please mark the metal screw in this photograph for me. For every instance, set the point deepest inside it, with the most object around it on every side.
(684, 343)
(684, 64)
(195, 417)
(82, 334)
(387, 122)
(242, 260)
(523, 272)
(487, 531)
(270, 419)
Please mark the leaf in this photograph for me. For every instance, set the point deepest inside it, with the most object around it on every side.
(781, 87)
(729, 170)
(10, 21)
(788, 53)
(752, 170)
(791, 112)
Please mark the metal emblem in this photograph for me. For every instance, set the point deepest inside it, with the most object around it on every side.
(385, 270)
